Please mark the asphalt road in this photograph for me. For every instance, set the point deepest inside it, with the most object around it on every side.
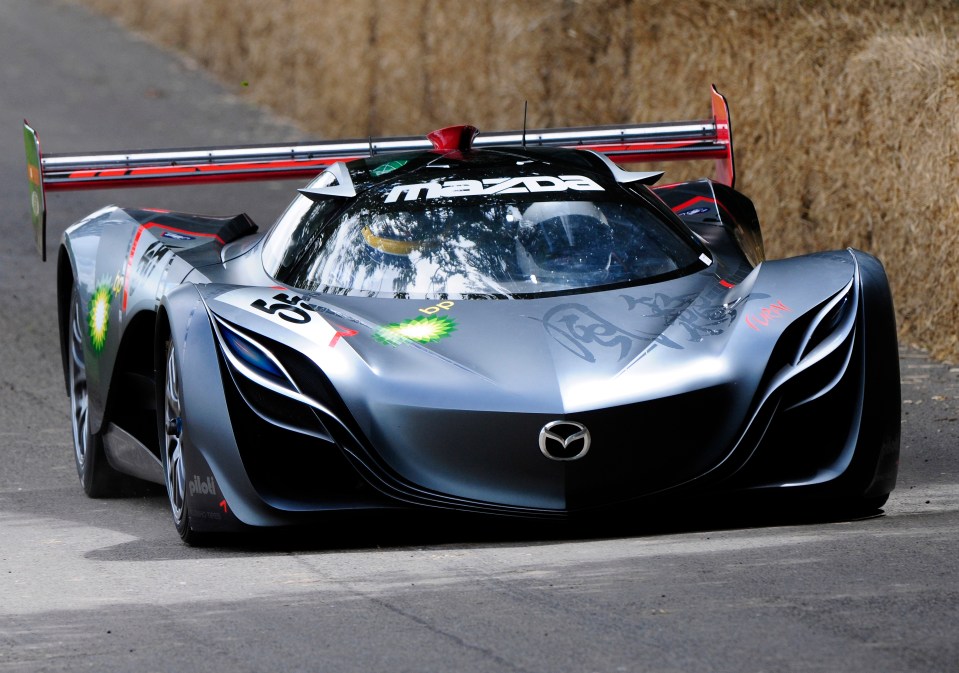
(107, 586)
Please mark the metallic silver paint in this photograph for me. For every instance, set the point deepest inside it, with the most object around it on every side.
(454, 423)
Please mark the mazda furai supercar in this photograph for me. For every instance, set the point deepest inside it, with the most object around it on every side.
(509, 323)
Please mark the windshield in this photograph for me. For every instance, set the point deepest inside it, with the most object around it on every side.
(405, 243)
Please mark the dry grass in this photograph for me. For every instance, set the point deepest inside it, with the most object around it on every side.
(846, 114)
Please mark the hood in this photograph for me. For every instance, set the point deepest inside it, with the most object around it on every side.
(453, 394)
(556, 355)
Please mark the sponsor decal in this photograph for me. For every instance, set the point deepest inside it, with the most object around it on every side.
(99, 316)
(202, 486)
(444, 305)
(693, 211)
(388, 167)
(524, 185)
(427, 328)
(151, 257)
(154, 256)
(177, 236)
(32, 146)
(294, 309)
(117, 284)
(200, 514)
(422, 329)
(765, 315)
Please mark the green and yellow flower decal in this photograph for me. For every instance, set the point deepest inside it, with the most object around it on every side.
(99, 317)
(423, 329)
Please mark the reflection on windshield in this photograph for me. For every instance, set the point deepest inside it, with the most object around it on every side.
(486, 247)
(434, 251)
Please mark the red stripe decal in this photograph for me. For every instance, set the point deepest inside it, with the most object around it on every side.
(136, 242)
(342, 332)
(184, 231)
(693, 201)
(126, 276)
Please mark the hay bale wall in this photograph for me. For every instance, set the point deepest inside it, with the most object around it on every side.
(845, 115)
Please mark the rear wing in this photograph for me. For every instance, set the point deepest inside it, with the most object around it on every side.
(665, 141)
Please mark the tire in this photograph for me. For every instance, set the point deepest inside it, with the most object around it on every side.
(174, 468)
(98, 478)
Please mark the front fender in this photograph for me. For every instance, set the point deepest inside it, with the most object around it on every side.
(208, 441)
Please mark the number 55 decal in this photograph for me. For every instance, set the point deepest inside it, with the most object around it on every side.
(285, 308)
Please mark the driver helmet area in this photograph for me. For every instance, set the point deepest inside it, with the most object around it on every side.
(562, 237)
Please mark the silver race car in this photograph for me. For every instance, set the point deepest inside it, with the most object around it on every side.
(506, 323)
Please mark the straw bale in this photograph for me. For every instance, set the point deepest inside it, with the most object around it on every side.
(846, 115)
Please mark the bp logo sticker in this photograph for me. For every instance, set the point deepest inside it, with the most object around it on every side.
(423, 329)
(99, 317)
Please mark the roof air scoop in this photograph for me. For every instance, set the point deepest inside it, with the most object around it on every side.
(453, 138)
(625, 177)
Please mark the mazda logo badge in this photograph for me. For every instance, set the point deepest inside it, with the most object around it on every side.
(564, 440)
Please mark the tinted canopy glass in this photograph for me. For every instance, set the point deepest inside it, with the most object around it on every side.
(512, 230)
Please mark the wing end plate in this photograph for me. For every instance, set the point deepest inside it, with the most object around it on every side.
(38, 204)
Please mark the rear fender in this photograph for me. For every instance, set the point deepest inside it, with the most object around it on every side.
(65, 281)
(89, 261)
(724, 218)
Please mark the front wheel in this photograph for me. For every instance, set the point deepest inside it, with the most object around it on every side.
(174, 468)
(98, 478)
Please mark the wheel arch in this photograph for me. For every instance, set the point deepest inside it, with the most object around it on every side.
(883, 397)
(66, 279)
(161, 335)
(209, 451)
(131, 403)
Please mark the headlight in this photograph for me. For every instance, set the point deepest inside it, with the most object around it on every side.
(831, 325)
(825, 350)
(267, 387)
(252, 360)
